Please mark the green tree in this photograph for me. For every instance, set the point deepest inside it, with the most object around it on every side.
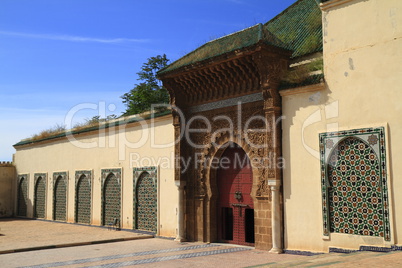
(150, 90)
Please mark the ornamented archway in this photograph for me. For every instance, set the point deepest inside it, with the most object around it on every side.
(354, 183)
(230, 96)
(60, 196)
(22, 195)
(40, 196)
(111, 196)
(145, 203)
(83, 197)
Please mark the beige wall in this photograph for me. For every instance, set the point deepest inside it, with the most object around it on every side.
(113, 148)
(363, 73)
(7, 178)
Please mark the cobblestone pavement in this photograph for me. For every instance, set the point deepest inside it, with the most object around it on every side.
(155, 252)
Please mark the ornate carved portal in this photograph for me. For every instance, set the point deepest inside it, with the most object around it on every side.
(232, 98)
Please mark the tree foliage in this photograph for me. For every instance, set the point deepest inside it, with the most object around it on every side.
(150, 90)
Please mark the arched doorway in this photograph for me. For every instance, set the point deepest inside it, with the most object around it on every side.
(235, 207)
(111, 200)
(60, 199)
(83, 201)
(146, 205)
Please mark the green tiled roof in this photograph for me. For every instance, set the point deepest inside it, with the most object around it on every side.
(228, 43)
(298, 28)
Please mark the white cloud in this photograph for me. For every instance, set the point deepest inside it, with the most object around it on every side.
(72, 38)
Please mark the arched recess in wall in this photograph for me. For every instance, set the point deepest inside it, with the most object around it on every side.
(354, 183)
(235, 206)
(83, 196)
(22, 195)
(145, 214)
(257, 190)
(40, 196)
(60, 196)
(111, 196)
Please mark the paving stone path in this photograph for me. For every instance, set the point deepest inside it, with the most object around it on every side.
(33, 243)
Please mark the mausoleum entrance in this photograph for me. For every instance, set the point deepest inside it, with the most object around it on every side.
(226, 92)
(235, 204)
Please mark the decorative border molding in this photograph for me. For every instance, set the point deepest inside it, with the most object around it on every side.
(64, 176)
(115, 171)
(137, 172)
(375, 138)
(36, 177)
(365, 248)
(300, 90)
(86, 173)
(302, 253)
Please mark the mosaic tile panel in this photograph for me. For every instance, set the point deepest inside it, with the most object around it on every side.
(111, 195)
(147, 206)
(354, 182)
(22, 195)
(60, 196)
(83, 197)
(40, 196)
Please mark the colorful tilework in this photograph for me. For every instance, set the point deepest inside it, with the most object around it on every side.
(22, 195)
(40, 196)
(111, 194)
(354, 182)
(147, 206)
(145, 198)
(83, 197)
(60, 197)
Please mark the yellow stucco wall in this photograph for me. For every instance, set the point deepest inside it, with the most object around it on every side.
(7, 178)
(126, 147)
(363, 74)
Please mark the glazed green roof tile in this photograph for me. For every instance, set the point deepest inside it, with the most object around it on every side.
(242, 39)
(298, 28)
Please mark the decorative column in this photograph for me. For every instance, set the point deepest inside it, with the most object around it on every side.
(181, 232)
(276, 217)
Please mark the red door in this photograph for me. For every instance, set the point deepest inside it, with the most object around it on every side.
(235, 205)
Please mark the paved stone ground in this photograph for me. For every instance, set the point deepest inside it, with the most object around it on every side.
(155, 252)
(25, 234)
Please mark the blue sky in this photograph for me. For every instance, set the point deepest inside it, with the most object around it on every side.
(57, 54)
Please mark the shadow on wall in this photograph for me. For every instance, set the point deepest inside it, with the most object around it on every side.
(303, 112)
(7, 179)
